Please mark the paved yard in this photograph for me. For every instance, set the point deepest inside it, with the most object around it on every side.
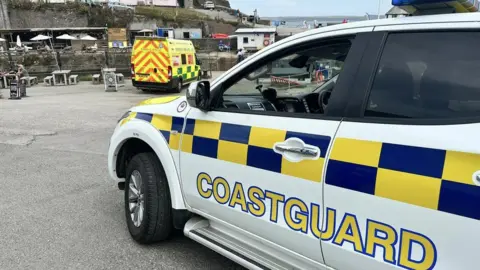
(59, 208)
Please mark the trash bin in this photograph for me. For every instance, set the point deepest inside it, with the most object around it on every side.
(15, 92)
(23, 88)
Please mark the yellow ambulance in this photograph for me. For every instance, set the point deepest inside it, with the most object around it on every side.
(160, 63)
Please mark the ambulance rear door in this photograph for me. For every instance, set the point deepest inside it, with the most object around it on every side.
(151, 60)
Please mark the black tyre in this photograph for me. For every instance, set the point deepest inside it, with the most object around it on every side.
(179, 86)
(147, 200)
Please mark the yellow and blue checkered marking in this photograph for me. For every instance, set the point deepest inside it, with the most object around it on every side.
(431, 178)
(241, 144)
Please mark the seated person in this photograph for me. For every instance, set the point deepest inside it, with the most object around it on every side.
(21, 72)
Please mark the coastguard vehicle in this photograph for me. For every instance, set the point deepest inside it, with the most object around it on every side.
(376, 168)
(160, 63)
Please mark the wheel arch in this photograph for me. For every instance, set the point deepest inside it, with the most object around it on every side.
(137, 137)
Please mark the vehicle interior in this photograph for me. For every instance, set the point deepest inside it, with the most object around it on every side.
(289, 84)
(414, 82)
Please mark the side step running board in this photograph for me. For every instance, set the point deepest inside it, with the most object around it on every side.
(199, 230)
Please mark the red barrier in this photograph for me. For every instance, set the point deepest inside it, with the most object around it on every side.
(280, 80)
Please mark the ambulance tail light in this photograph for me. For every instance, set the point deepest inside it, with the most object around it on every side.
(169, 72)
(133, 70)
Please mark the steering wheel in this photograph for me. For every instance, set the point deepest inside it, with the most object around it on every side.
(323, 98)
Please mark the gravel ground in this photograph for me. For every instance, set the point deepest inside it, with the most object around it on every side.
(60, 209)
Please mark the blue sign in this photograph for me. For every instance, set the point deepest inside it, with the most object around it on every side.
(117, 44)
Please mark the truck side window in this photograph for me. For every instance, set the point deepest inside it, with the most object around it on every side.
(184, 59)
(427, 75)
(308, 73)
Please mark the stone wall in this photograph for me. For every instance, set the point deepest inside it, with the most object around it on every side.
(211, 45)
(20, 19)
(42, 65)
(4, 16)
(72, 15)
(217, 27)
(189, 4)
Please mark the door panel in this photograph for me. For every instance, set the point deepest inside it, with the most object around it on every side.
(267, 195)
(412, 192)
(151, 61)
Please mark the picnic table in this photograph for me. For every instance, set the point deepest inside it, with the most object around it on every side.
(6, 78)
(108, 70)
(61, 73)
(105, 70)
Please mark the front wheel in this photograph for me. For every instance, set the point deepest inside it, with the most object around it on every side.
(147, 200)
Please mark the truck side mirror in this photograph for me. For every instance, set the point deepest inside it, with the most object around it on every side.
(198, 95)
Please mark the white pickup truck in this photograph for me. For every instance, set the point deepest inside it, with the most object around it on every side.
(375, 167)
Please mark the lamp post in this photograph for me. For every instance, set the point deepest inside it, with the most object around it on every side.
(379, 6)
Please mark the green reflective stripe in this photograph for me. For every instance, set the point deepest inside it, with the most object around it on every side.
(189, 69)
(179, 71)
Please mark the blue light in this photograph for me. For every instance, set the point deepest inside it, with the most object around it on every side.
(416, 2)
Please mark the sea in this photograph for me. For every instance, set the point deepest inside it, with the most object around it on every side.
(299, 21)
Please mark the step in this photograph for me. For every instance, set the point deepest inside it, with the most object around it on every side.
(199, 230)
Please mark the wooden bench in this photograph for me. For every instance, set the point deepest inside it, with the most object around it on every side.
(96, 79)
(29, 80)
(48, 80)
(120, 78)
(72, 79)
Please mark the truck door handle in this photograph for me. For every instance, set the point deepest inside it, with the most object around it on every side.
(304, 151)
(295, 150)
(155, 70)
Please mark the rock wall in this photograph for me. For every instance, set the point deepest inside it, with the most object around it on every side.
(217, 27)
(46, 19)
(223, 3)
(4, 16)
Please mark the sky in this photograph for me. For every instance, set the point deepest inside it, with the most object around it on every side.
(274, 8)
